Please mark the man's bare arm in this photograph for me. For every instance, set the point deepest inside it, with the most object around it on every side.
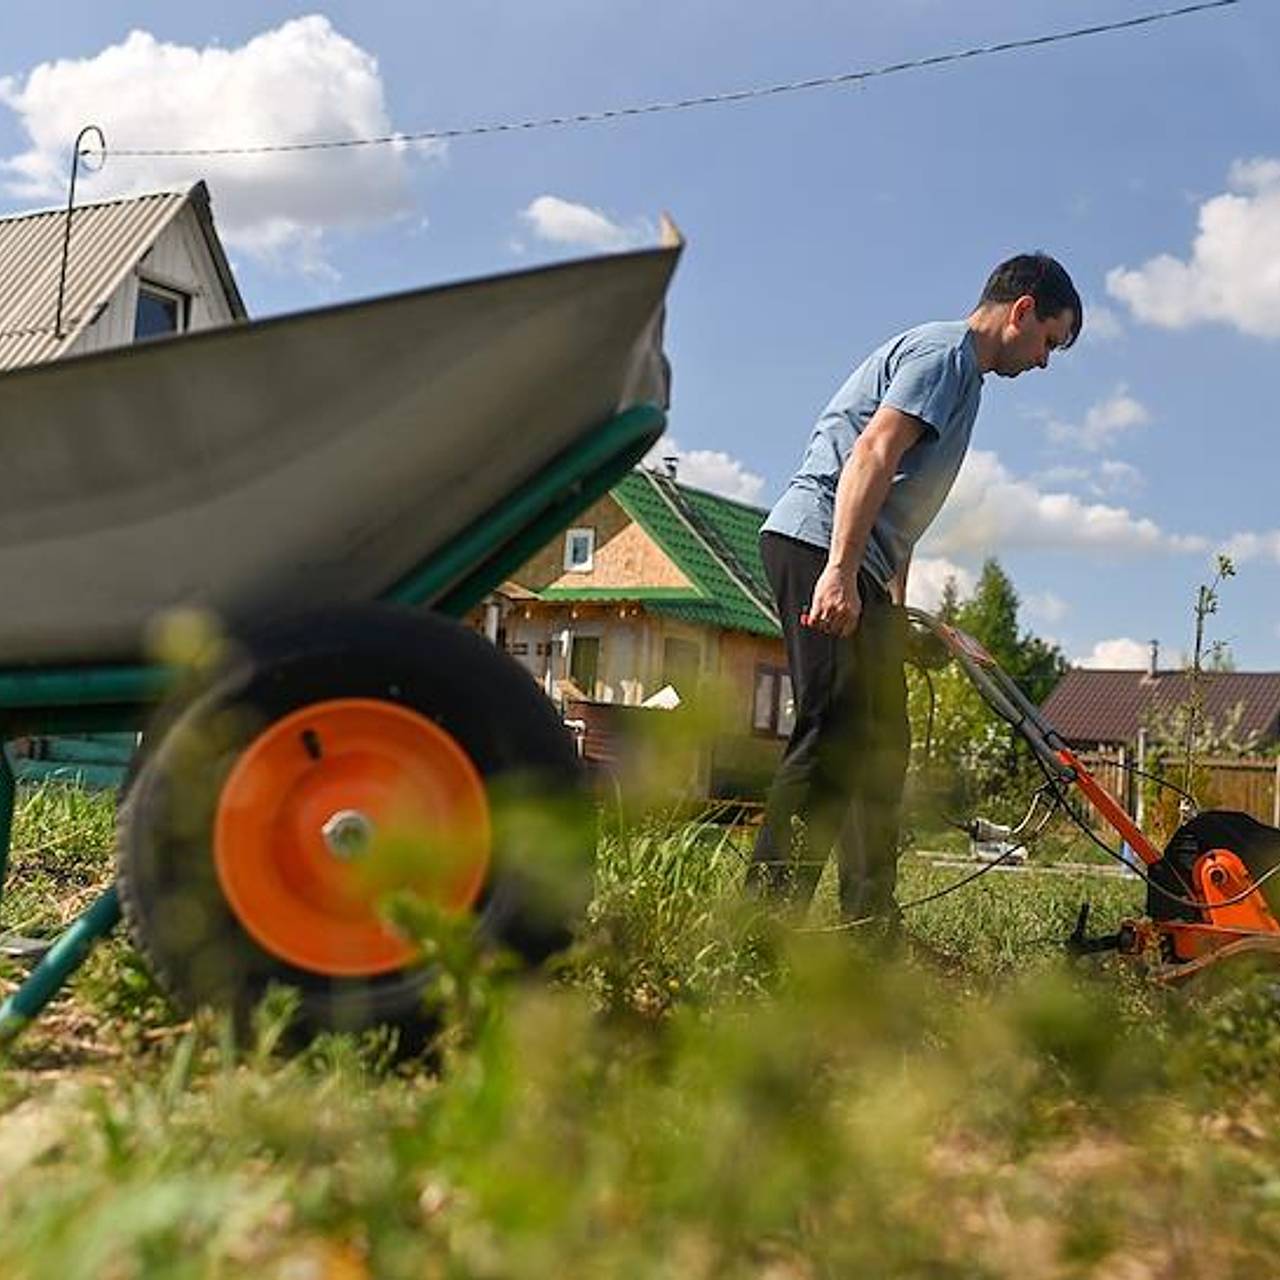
(864, 485)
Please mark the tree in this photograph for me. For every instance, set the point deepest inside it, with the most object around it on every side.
(1220, 657)
(991, 615)
(949, 603)
(978, 756)
(1185, 726)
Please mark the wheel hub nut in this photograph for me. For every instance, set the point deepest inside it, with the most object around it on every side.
(348, 833)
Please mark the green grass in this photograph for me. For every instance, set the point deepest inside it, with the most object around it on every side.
(702, 1090)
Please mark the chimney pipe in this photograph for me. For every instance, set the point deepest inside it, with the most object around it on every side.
(669, 463)
(1153, 663)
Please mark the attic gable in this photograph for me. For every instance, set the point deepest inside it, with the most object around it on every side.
(626, 558)
(685, 553)
(109, 239)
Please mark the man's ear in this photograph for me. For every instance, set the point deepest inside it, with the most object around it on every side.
(1018, 311)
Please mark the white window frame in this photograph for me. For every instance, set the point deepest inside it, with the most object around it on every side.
(168, 294)
(583, 532)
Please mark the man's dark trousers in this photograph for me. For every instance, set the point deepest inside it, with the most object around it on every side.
(840, 780)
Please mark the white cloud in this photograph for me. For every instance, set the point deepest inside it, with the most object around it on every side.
(1115, 476)
(1120, 654)
(1233, 272)
(709, 469)
(927, 578)
(563, 222)
(300, 82)
(1044, 606)
(1103, 422)
(990, 511)
(1253, 546)
(1063, 475)
(1107, 478)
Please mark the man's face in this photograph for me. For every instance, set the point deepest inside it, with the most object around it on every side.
(1028, 341)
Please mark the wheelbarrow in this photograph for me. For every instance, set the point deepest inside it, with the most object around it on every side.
(1213, 891)
(325, 494)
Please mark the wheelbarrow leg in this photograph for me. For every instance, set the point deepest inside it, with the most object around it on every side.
(64, 958)
(66, 954)
(12, 946)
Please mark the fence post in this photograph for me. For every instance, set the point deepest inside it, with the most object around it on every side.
(1140, 808)
(1275, 796)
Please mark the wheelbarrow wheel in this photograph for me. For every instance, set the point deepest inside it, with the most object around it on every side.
(333, 762)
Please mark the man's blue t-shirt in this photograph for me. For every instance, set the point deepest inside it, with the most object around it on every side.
(930, 372)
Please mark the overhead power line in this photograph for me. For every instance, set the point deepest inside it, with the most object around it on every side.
(685, 104)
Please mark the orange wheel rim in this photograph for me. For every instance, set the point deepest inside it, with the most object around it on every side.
(332, 807)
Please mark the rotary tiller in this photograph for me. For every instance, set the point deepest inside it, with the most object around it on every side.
(1212, 892)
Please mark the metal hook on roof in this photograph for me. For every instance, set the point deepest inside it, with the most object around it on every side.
(76, 152)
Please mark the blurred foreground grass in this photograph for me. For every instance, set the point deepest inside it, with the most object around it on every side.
(703, 1090)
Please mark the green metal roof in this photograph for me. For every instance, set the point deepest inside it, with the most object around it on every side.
(584, 595)
(738, 526)
(714, 543)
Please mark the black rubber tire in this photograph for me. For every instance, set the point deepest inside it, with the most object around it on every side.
(171, 898)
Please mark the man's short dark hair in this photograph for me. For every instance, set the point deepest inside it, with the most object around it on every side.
(1044, 279)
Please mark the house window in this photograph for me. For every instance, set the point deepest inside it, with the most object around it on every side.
(681, 664)
(773, 711)
(160, 311)
(579, 550)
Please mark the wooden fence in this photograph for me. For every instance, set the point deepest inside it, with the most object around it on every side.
(1251, 785)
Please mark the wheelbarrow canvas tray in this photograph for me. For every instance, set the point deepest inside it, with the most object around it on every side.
(308, 459)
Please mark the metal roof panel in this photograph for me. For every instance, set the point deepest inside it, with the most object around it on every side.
(1089, 705)
(107, 239)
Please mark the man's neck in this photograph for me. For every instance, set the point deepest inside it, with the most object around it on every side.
(987, 326)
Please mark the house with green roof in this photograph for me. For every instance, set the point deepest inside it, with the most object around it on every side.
(658, 589)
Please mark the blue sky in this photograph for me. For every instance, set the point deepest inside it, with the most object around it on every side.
(818, 225)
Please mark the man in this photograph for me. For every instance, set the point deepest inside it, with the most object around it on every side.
(837, 546)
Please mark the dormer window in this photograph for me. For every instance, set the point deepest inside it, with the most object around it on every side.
(160, 312)
(579, 550)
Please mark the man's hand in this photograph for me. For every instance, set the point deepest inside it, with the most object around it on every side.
(836, 605)
(865, 481)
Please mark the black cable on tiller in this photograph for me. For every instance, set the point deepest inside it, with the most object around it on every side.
(987, 867)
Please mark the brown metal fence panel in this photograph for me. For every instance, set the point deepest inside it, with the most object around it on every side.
(1109, 768)
(1249, 785)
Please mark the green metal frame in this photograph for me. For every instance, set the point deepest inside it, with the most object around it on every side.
(52, 700)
